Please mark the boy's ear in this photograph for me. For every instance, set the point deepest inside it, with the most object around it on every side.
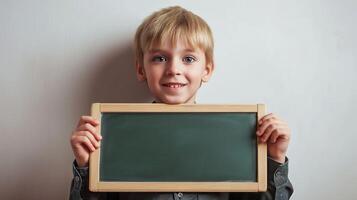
(140, 72)
(208, 71)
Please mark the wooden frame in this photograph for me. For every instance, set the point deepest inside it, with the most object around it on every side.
(99, 186)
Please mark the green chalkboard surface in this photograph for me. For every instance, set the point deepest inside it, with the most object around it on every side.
(178, 147)
(185, 147)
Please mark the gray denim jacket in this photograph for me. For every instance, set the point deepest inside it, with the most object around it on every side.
(279, 188)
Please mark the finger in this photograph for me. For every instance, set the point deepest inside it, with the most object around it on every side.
(264, 126)
(88, 144)
(93, 130)
(268, 116)
(284, 133)
(266, 134)
(88, 119)
(87, 127)
(274, 136)
(77, 138)
(91, 138)
(84, 141)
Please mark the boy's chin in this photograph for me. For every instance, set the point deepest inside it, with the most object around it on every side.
(175, 100)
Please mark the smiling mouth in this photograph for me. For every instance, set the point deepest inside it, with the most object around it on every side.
(174, 85)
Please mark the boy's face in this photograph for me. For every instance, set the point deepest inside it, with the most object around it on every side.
(174, 74)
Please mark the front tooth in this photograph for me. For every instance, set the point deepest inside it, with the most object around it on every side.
(175, 85)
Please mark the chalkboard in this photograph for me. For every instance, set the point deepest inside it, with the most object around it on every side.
(158, 147)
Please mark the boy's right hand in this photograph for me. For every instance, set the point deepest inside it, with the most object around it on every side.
(85, 139)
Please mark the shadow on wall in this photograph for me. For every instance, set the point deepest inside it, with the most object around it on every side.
(114, 80)
(110, 79)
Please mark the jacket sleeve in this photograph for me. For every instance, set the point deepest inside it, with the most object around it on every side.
(79, 186)
(279, 186)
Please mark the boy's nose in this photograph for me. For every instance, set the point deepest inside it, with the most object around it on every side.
(173, 68)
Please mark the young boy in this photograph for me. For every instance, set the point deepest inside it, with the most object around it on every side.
(174, 55)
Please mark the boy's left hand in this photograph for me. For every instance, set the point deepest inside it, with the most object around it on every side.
(276, 133)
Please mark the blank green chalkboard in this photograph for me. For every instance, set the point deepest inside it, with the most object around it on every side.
(158, 147)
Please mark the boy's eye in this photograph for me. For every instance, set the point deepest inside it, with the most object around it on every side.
(189, 59)
(159, 59)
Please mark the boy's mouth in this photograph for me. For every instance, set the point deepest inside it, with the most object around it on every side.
(174, 85)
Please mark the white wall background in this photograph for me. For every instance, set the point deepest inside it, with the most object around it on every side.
(298, 57)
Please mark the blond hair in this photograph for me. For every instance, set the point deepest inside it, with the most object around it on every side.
(173, 24)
